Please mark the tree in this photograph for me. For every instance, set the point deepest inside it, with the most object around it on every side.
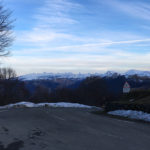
(92, 91)
(7, 73)
(5, 30)
(40, 94)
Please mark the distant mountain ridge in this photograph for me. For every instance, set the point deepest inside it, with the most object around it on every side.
(50, 76)
(80, 76)
(137, 72)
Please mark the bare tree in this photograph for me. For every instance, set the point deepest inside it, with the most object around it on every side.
(7, 73)
(5, 30)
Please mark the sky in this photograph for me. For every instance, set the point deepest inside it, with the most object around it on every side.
(85, 36)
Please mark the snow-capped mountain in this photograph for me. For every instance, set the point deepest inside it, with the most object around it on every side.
(137, 72)
(110, 74)
(52, 76)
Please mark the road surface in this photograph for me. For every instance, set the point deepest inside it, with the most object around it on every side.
(69, 129)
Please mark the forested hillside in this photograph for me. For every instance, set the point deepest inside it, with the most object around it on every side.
(92, 90)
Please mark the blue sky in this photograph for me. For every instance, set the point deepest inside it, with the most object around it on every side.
(80, 36)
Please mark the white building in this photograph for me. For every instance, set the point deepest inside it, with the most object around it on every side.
(126, 88)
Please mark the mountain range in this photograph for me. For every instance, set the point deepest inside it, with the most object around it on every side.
(80, 76)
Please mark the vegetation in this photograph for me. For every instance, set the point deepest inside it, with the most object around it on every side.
(135, 100)
(5, 30)
(96, 91)
(11, 89)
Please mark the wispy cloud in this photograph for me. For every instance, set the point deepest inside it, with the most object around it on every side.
(51, 26)
(57, 11)
(101, 45)
(51, 23)
(40, 36)
(81, 63)
(58, 42)
(139, 9)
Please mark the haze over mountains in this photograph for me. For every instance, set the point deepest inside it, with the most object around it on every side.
(52, 76)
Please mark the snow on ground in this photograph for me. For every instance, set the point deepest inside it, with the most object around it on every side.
(59, 104)
(63, 104)
(139, 115)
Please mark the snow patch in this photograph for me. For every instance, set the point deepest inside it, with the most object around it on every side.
(63, 104)
(59, 104)
(139, 115)
(20, 104)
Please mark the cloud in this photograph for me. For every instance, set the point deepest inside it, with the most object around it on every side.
(103, 44)
(100, 46)
(39, 35)
(139, 9)
(50, 29)
(52, 44)
(119, 61)
(51, 23)
(57, 12)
